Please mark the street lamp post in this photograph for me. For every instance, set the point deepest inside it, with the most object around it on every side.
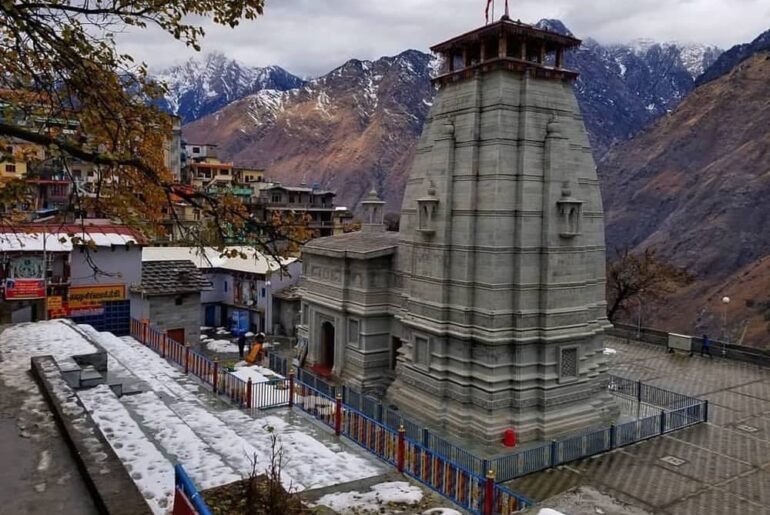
(268, 308)
(725, 303)
(45, 276)
(639, 319)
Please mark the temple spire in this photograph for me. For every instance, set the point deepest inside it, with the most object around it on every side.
(373, 207)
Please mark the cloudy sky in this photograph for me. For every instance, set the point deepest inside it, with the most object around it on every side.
(311, 37)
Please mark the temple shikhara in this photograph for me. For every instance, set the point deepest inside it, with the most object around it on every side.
(487, 310)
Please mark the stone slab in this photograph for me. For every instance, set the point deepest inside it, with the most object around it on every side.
(761, 426)
(624, 472)
(715, 501)
(725, 441)
(112, 489)
(759, 389)
(698, 464)
(739, 402)
(754, 486)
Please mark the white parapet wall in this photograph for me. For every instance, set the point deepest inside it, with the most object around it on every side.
(679, 342)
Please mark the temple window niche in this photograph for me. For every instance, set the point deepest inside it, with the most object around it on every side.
(426, 211)
(570, 213)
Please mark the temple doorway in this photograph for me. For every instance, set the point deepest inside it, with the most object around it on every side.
(327, 345)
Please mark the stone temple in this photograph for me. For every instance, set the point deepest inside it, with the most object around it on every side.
(487, 310)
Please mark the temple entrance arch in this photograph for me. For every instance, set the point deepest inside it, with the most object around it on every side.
(327, 345)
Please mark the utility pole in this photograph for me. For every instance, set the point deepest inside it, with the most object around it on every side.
(268, 307)
(725, 303)
(45, 275)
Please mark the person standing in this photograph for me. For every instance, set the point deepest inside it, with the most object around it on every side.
(241, 344)
(706, 347)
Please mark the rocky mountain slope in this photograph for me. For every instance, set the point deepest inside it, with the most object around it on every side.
(622, 88)
(347, 130)
(199, 87)
(695, 186)
(358, 125)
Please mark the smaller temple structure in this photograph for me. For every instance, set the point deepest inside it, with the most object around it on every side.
(347, 285)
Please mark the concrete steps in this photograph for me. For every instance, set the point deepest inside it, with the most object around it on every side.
(80, 376)
(90, 377)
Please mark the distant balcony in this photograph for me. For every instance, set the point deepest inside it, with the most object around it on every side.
(321, 225)
(58, 281)
(282, 206)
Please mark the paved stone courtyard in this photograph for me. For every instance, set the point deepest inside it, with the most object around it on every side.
(719, 468)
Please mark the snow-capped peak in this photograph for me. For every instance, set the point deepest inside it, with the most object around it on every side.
(554, 25)
(696, 58)
(200, 86)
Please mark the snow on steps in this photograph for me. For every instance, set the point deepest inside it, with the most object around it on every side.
(175, 419)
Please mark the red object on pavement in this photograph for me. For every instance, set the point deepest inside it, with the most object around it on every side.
(509, 438)
(182, 505)
(322, 371)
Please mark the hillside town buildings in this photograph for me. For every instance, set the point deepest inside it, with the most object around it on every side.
(82, 272)
(240, 286)
(53, 182)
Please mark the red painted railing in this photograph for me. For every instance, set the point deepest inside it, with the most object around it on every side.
(470, 490)
(250, 394)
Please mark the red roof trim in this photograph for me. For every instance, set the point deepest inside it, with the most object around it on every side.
(74, 229)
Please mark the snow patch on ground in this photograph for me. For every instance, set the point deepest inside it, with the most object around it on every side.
(549, 511)
(221, 346)
(609, 352)
(215, 446)
(152, 473)
(441, 511)
(257, 373)
(21, 342)
(18, 344)
(45, 461)
(179, 440)
(397, 492)
(310, 463)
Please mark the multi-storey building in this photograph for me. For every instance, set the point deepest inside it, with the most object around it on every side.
(317, 204)
(47, 274)
(15, 156)
(210, 172)
(195, 151)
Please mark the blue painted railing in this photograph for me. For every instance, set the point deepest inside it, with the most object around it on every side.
(661, 411)
(186, 487)
(449, 470)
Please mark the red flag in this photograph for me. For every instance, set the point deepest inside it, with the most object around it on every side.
(486, 11)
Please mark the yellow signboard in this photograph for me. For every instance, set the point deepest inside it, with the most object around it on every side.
(54, 302)
(84, 296)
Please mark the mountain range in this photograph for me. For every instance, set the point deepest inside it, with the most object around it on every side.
(694, 185)
(199, 87)
(680, 134)
(733, 57)
(357, 125)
